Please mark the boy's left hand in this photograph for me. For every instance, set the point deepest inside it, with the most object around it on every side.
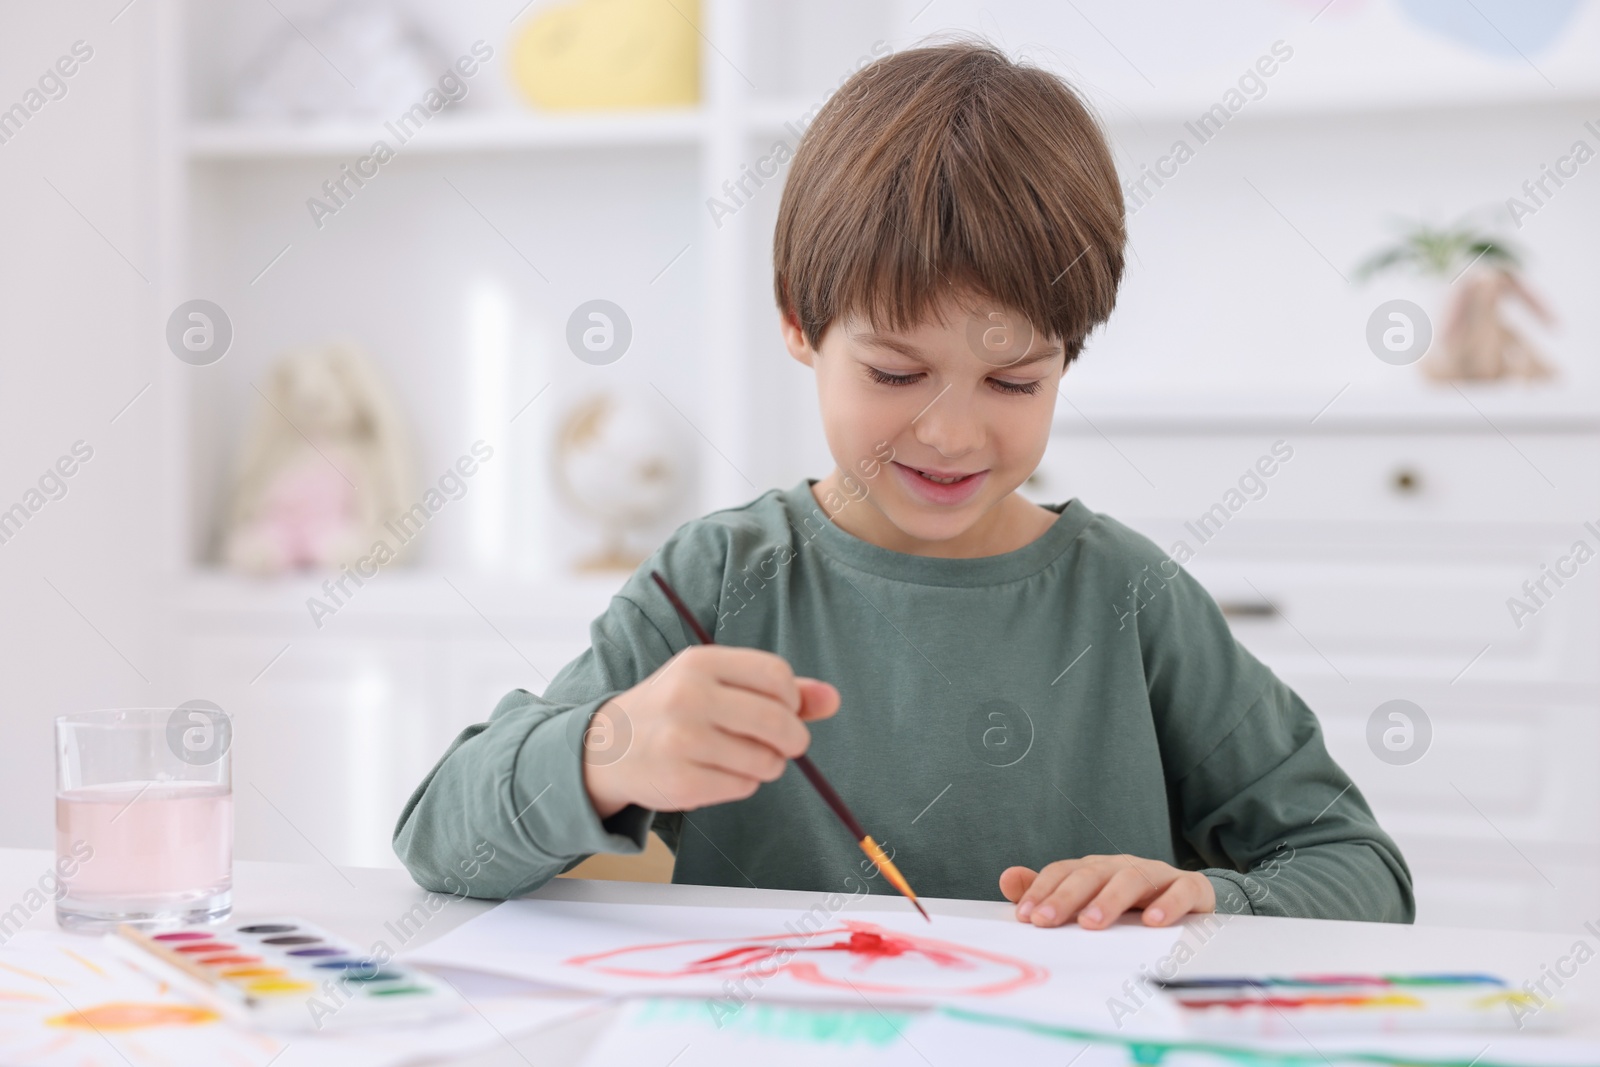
(1098, 889)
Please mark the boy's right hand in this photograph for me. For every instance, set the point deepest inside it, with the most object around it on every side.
(712, 724)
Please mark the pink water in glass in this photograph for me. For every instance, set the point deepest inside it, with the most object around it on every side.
(162, 846)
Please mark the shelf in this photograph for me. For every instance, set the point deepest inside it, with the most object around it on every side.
(1421, 408)
(1124, 116)
(483, 132)
(1136, 109)
(784, 115)
(763, 117)
(206, 597)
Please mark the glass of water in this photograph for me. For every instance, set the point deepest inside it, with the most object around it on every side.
(144, 816)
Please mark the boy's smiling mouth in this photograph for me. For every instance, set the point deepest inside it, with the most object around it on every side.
(943, 477)
(938, 486)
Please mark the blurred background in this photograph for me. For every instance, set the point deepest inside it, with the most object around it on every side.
(489, 284)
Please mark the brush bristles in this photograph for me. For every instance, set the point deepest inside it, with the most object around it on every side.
(876, 854)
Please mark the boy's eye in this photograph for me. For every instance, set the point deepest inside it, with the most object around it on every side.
(1008, 388)
(884, 378)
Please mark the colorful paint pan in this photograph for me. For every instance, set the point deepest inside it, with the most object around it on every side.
(1289, 1006)
(234, 974)
(280, 985)
(285, 973)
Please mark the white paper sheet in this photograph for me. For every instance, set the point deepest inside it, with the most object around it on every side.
(498, 1014)
(957, 1038)
(67, 1001)
(741, 955)
(692, 1033)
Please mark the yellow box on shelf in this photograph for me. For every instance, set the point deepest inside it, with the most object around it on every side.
(602, 54)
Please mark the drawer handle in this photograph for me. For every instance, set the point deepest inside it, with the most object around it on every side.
(1406, 481)
(1248, 609)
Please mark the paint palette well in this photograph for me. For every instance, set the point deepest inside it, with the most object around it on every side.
(1286, 1006)
(286, 973)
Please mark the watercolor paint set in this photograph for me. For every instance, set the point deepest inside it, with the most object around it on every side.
(1284, 1006)
(286, 973)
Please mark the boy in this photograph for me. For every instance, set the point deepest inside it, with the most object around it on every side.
(1018, 707)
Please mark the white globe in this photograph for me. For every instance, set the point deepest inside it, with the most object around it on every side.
(619, 461)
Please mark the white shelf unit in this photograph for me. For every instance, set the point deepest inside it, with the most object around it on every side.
(1189, 374)
(234, 191)
(225, 140)
(473, 198)
(766, 67)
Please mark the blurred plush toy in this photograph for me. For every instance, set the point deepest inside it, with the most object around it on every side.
(373, 60)
(610, 54)
(324, 463)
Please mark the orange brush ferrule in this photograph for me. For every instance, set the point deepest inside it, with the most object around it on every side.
(876, 854)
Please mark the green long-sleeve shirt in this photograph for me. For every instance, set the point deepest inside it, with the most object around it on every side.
(1080, 695)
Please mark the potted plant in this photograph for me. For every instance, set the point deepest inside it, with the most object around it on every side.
(1472, 273)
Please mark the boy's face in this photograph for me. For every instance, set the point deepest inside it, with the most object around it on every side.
(967, 395)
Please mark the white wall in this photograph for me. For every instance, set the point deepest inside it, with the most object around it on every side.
(78, 583)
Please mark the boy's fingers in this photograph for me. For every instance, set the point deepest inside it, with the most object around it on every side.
(1184, 896)
(759, 718)
(1125, 889)
(1170, 906)
(1014, 881)
(818, 700)
(737, 755)
(1077, 889)
(1050, 878)
(752, 668)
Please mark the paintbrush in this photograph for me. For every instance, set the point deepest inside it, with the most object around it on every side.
(873, 850)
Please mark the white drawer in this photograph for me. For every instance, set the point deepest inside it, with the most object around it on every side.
(1349, 601)
(1432, 477)
(333, 737)
(1474, 886)
(328, 742)
(1496, 767)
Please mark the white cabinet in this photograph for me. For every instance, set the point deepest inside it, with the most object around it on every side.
(1375, 564)
(1430, 603)
(334, 727)
(1330, 472)
(328, 743)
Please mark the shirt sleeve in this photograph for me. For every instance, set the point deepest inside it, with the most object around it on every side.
(505, 809)
(1258, 805)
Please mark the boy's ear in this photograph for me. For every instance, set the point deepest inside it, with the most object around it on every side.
(794, 338)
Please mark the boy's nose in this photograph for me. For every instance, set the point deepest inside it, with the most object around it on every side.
(948, 429)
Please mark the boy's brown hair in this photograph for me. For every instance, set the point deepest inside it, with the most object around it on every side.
(951, 171)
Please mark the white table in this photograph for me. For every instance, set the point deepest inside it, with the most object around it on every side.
(357, 901)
